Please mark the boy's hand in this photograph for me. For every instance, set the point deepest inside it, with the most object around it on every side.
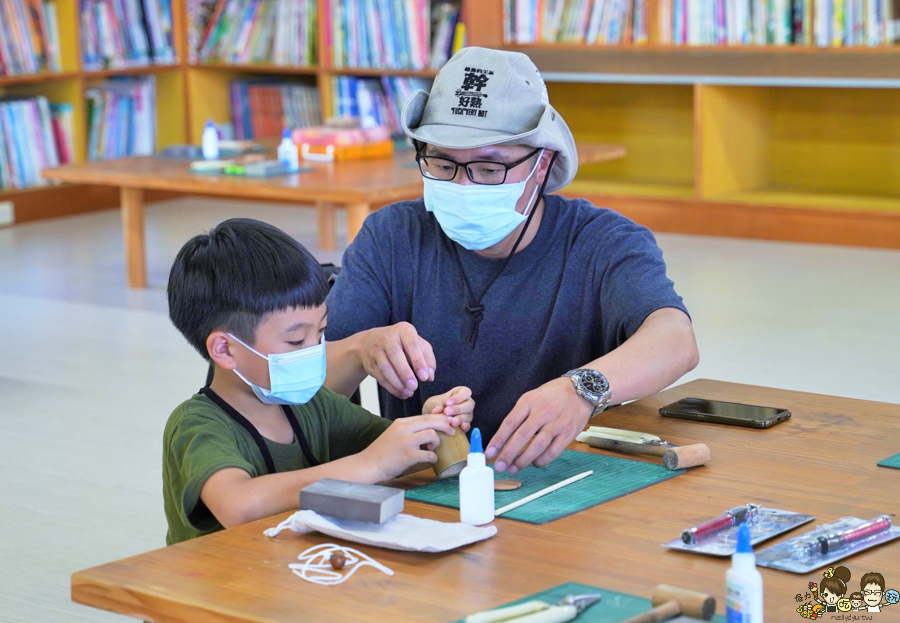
(457, 403)
(408, 441)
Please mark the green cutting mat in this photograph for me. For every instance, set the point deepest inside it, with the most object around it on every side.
(612, 478)
(891, 461)
(612, 608)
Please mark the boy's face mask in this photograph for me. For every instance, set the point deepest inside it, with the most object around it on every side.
(294, 377)
(477, 216)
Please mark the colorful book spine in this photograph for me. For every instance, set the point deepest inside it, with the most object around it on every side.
(29, 37)
(392, 34)
(264, 108)
(122, 118)
(30, 142)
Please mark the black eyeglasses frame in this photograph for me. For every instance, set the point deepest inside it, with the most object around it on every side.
(465, 165)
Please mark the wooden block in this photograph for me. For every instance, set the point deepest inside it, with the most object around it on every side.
(352, 500)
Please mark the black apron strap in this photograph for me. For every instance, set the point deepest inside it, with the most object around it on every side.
(260, 442)
(298, 432)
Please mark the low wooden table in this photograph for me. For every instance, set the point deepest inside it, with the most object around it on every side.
(822, 461)
(360, 186)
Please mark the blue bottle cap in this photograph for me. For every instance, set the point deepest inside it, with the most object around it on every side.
(475, 442)
(210, 124)
(743, 540)
(286, 133)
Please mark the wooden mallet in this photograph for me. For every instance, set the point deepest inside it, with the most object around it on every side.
(674, 457)
(671, 601)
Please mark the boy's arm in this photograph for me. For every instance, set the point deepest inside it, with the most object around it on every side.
(234, 497)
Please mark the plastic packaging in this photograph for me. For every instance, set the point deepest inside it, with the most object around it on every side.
(476, 486)
(828, 543)
(743, 583)
(718, 537)
(210, 141)
(328, 144)
(288, 154)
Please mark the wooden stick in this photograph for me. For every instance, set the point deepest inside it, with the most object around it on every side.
(542, 492)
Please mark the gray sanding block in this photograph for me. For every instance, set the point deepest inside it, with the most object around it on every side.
(352, 500)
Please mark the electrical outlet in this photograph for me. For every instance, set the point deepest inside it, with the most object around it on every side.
(7, 213)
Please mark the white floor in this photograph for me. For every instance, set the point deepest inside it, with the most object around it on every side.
(91, 370)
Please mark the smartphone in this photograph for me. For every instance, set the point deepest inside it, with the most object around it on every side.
(734, 413)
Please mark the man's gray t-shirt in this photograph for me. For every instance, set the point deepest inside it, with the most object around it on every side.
(580, 289)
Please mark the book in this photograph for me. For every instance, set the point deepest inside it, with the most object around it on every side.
(825, 23)
(125, 33)
(263, 108)
(279, 32)
(29, 37)
(375, 101)
(29, 141)
(393, 34)
(121, 117)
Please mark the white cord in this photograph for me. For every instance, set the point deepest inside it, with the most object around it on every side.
(315, 564)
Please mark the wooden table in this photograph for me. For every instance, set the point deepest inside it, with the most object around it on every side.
(359, 185)
(821, 462)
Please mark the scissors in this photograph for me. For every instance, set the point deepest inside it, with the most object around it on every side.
(538, 611)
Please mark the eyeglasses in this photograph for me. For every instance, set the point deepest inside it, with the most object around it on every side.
(485, 172)
(871, 592)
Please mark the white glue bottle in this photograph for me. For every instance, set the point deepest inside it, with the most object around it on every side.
(743, 583)
(288, 154)
(210, 141)
(476, 486)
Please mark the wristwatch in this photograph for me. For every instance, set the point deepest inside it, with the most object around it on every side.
(592, 386)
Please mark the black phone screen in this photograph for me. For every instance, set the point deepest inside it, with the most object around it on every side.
(725, 412)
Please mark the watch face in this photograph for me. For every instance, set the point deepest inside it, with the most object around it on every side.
(594, 384)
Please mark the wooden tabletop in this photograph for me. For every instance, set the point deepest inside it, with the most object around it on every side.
(822, 462)
(375, 180)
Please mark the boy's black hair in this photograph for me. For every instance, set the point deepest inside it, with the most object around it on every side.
(230, 278)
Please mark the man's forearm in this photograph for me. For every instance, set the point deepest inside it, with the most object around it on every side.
(660, 352)
(345, 368)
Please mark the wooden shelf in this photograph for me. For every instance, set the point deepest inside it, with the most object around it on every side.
(622, 188)
(258, 68)
(814, 200)
(367, 71)
(131, 71)
(44, 76)
(877, 63)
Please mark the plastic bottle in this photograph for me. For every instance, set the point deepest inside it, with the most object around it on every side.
(210, 141)
(288, 154)
(743, 583)
(476, 486)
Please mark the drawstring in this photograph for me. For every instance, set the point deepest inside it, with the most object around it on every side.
(476, 309)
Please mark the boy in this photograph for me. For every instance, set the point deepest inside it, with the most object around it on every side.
(251, 300)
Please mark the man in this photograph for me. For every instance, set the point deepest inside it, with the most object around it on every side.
(549, 309)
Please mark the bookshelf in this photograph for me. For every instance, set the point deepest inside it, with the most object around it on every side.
(774, 142)
(189, 91)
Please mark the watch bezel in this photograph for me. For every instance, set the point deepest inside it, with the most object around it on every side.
(599, 401)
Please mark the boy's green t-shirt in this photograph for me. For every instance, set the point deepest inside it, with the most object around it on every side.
(201, 439)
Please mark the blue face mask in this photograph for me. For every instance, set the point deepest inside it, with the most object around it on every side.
(477, 216)
(295, 377)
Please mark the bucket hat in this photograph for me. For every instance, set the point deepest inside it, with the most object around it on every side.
(487, 97)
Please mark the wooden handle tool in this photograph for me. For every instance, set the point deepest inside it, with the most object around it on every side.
(670, 602)
(674, 457)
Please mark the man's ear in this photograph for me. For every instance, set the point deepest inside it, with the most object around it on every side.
(219, 349)
(542, 166)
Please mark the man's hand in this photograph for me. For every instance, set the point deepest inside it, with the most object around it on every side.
(457, 403)
(397, 357)
(548, 417)
(408, 441)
